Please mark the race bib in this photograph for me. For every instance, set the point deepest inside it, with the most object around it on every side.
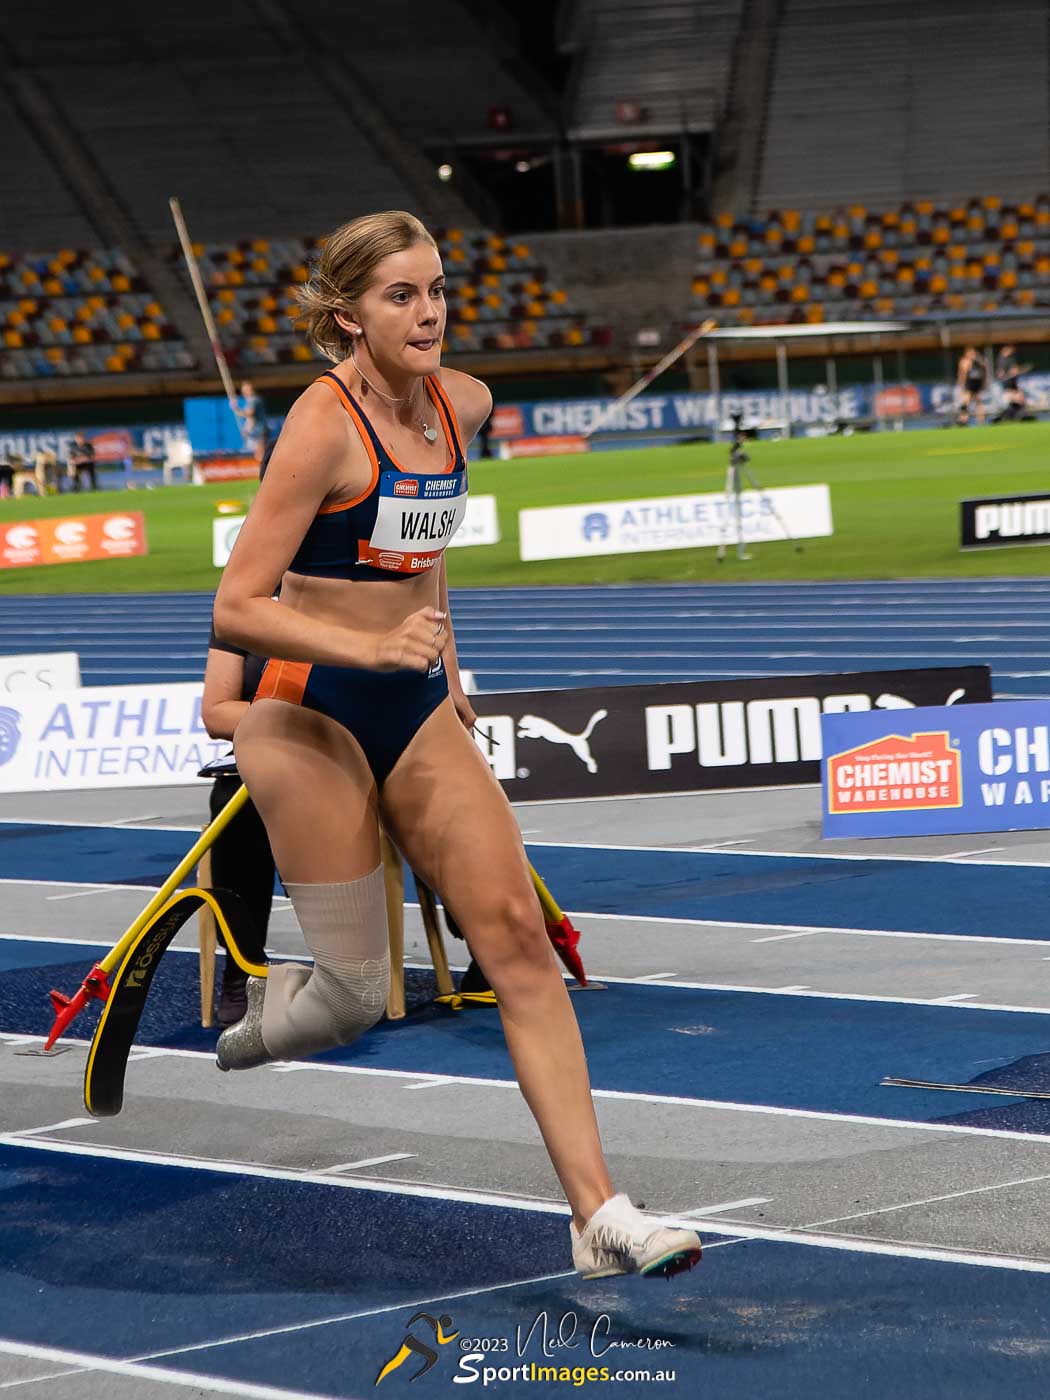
(416, 518)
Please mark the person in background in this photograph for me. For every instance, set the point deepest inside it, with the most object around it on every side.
(241, 859)
(971, 381)
(251, 412)
(81, 462)
(1008, 372)
(45, 467)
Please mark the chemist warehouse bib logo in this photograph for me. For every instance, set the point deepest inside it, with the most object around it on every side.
(416, 518)
(896, 774)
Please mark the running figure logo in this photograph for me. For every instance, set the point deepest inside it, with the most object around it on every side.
(413, 1346)
(535, 727)
(9, 733)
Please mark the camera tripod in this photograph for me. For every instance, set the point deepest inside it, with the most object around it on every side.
(737, 468)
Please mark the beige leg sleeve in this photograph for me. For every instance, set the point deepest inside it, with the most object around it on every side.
(345, 928)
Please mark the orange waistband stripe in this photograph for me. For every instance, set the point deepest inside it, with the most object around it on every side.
(284, 680)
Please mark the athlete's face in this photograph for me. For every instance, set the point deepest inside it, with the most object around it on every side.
(403, 311)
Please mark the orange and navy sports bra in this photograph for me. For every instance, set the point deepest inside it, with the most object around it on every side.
(401, 525)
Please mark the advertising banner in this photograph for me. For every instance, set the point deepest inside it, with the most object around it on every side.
(111, 444)
(102, 737)
(55, 670)
(937, 771)
(674, 522)
(480, 524)
(676, 414)
(543, 446)
(998, 521)
(70, 539)
(234, 467)
(690, 736)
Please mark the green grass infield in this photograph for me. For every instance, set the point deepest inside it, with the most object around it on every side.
(894, 496)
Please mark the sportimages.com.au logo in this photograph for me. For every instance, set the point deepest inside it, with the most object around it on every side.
(572, 1352)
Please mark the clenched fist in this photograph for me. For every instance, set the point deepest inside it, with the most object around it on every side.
(414, 645)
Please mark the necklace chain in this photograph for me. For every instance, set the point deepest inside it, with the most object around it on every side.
(428, 432)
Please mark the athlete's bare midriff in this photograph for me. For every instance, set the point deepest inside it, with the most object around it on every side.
(367, 605)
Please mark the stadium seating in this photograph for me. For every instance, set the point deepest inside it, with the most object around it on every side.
(890, 101)
(77, 312)
(498, 297)
(976, 256)
(668, 60)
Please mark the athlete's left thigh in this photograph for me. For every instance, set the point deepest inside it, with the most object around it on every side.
(455, 827)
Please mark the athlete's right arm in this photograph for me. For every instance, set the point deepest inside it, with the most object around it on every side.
(309, 462)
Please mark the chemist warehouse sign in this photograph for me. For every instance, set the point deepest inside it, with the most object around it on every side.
(937, 771)
(103, 736)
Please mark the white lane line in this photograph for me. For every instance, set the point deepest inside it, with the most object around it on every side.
(808, 928)
(435, 1083)
(652, 977)
(476, 1082)
(961, 855)
(857, 856)
(146, 817)
(598, 846)
(39, 821)
(860, 1244)
(802, 989)
(779, 937)
(79, 894)
(729, 1205)
(354, 1316)
(161, 1375)
(78, 884)
(54, 1127)
(370, 1162)
(850, 1244)
(929, 1200)
(958, 1001)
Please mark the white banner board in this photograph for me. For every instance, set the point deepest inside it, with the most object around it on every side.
(480, 526)
(55, 670)
(224, 532)
(674, 522)
(103, 737)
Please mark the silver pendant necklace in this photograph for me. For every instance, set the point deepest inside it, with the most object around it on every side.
(428, 432)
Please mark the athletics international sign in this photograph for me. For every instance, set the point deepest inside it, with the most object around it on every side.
(71, 539)
(674, 522)
(103, 736)
(940, 771)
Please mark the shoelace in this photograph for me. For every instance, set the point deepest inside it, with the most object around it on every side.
(614, 1239)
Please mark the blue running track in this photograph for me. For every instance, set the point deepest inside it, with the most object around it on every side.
(532, 638)
(312, 1286)
(1002, 901)
(821, 1055)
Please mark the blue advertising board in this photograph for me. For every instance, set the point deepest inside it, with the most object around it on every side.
(937, 771)
(678, 414)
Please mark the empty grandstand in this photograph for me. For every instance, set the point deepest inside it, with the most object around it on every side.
(825, 159)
